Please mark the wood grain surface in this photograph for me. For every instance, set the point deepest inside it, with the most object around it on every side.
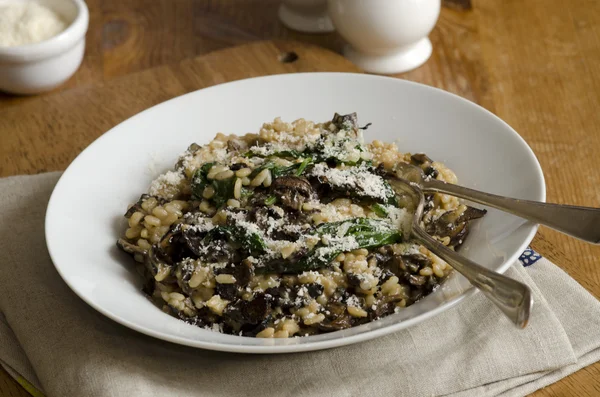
(535, 63)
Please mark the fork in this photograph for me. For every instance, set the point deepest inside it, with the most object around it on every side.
(580, 222)
(512, 297)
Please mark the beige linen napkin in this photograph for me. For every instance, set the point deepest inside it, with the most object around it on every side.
(65, 348)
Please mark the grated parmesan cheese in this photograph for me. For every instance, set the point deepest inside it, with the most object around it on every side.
(359, 178)
(336, 244)
(353, 301)
(166, 185)
(401, 219)
(28, 22)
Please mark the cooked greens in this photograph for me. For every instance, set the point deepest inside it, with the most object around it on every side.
(340, 236)
(249, 243)
(223, 189)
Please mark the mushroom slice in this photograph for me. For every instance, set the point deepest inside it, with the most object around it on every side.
(420, 158)
(137, 206)
(236, 145)
(346, 121)
(337, 319)
(249, 313)
(472, 213)
(424, 162)
(292, 190)
(130, 248)
(386, 306)
(151, 262)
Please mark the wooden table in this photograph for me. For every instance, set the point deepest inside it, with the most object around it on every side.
(534, 63)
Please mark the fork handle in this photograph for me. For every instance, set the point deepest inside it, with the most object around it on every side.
(510, 296)
(580, 222)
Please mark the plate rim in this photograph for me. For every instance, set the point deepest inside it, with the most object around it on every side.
(309, 346)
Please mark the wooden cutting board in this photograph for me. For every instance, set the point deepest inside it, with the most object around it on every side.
(46, 133)
(39, 134)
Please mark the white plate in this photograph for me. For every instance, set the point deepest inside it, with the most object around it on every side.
(84, 215)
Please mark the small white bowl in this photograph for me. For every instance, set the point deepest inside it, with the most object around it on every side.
(40, 67)
(385, 36)
(308, 16)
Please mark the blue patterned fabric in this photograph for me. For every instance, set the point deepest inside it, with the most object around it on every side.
(529, 257)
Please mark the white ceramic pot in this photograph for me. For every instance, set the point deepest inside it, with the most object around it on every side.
(39, 67)
(309, 16)
(385, 36)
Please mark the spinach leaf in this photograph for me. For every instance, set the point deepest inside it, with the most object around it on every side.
(294, 154)
(368, 233)
(223, 191)
(303, 166)
(200, 180)
(276, 170)
(282, 170)
(271, 200)
(223, 188)
(348, 184)
(285, 154)
(319, 153)
(379, 210)
(246, 193)
(390, 194)
(250, 243)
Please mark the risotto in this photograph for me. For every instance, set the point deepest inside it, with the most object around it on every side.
(291, 231)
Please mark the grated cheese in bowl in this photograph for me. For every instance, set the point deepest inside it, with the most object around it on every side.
(28, 22)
